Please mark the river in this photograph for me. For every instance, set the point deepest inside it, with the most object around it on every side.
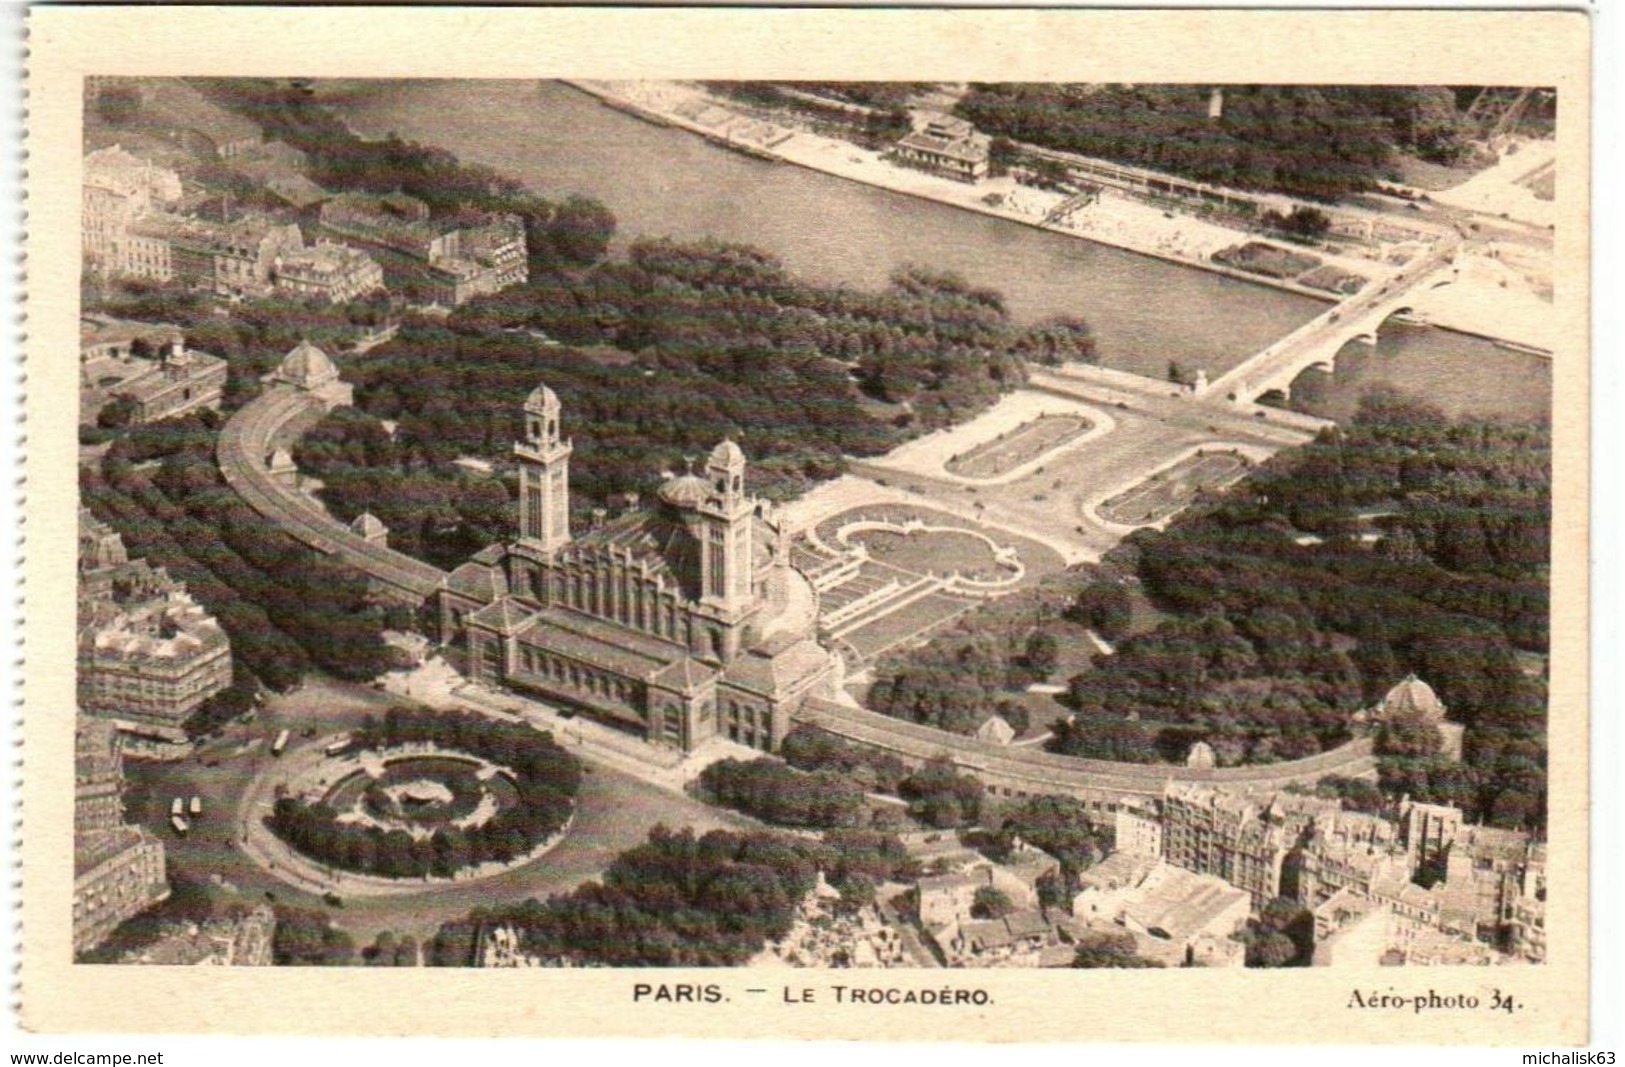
(1145, 312)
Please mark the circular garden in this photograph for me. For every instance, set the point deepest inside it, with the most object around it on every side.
(424, 794)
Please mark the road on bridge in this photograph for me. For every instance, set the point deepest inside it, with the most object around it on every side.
(1290, 355)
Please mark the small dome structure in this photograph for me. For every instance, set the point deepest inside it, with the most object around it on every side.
(684, 491)
(727, 456)
(1200, 757)
(996, 730)
(1412, 697)
(542, 401)
(367, 527)
(307, 366)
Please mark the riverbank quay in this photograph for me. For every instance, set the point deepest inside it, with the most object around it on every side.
(1125, 225)
(1487, 300)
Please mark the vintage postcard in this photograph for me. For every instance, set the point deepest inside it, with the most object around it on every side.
(864, 524)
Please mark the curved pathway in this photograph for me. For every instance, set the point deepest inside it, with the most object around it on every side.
(245, 442)
(294, 770)
(1022, 771)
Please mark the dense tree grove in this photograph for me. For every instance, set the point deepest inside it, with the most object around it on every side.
(1274, 642)
(308, 938)
(1061, 826)
(772, 792)
(662, 356)
(682, 901)
(1104, 607)
(544, 775)
(1320, 142)
(285, 608)
(733, 314)
(953, 685)
(1204, 670)
(809, 748)
(441, 514)
(940, 796)
(1281, 935)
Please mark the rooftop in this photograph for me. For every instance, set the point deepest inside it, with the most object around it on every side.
(324, 257)
(1181, 903)
(96, 330)
(603, 644)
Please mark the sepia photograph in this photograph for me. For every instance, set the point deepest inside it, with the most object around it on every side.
(842, 526)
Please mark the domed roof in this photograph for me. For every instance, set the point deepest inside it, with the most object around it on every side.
(1413, 697)
(542, 399)
(684, 491)
(727, 455)
(307, 365)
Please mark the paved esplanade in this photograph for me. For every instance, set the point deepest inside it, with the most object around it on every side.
(245, 442)
(1318, 341)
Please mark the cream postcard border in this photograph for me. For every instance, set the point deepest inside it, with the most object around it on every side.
(1299, 1006)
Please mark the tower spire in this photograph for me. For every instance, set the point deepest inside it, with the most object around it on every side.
(544, 474)
(728, 559)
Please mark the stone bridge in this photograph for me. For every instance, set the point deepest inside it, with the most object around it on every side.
(1317, 342)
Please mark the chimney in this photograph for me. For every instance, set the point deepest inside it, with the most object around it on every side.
(632, 501)
(1215, 103)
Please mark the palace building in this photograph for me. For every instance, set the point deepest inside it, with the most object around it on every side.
(679, 622)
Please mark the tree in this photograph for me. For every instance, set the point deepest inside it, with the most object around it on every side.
(991, 903)
(116, 413)
(857, 892)
(940, 796)
(1043, 653)
(308, 938)
(381, 953)
(1104, 607)
(1060, 826)
(1271, 950)
(1302, 223)
(1109, 949)
(581, 230)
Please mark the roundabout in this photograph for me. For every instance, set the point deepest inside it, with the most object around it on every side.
(422, 798)
(420, 794)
